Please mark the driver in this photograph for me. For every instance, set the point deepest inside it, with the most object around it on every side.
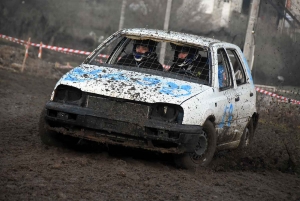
(188, 61)
(143, 55)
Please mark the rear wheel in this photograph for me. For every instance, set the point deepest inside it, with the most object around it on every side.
(204, 150)
(247, 136)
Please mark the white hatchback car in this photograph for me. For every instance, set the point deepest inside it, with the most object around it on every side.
(193, 99)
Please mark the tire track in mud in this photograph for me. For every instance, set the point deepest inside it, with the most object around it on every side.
(30, 170)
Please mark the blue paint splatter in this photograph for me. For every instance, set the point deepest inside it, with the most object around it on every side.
(78, 71)
(248, 71)
(115, 76)
(148, 81)
(80, 75)
(71, 78)
(227, 113)
(171, 88)
(221, 70)
(175, 90)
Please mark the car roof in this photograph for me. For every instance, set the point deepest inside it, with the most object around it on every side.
(169, 36)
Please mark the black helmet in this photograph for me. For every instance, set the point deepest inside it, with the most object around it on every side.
(145, 43)
(190, 58)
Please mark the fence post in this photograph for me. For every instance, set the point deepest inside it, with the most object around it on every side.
(40, 50)
(26, 54)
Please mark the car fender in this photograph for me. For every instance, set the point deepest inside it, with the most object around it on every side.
(198, 108)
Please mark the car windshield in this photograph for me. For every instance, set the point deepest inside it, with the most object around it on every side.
(178, 61)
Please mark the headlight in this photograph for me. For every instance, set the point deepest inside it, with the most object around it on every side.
(65, 93)
(52, 95)
(166, 112)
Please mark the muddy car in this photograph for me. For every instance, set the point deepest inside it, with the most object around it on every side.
(189, 106)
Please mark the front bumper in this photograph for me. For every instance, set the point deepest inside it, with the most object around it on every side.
(125, 130)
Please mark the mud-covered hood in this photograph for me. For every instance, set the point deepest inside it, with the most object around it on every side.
(131, 85)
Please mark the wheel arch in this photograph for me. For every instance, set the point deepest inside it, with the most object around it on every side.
(211, 118)
(207, 115)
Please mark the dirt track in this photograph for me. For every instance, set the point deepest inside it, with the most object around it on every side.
(30, 170)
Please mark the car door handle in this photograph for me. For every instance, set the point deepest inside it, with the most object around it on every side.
(251, 94)
(237, 99)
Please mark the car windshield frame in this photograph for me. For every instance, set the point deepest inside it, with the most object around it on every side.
(125, 39)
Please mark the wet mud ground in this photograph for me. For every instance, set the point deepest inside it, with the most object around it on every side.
(30, 170)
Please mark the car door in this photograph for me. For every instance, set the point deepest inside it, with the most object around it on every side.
(226, 102)
(245, 90)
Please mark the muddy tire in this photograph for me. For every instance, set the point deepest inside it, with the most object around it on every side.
(48, 137)
(204, 151)
(247, 136)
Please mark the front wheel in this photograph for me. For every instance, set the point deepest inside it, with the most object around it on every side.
(48, 137)
(52, 138)
(204, 150)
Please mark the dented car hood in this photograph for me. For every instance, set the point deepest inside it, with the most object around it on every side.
(131, 85)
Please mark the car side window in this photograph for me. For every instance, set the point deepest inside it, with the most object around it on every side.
(104, 54)
(237, 67)
(224, 70)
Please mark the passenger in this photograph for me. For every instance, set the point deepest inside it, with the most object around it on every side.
(237, 72)
(143, 55)
(188, 61)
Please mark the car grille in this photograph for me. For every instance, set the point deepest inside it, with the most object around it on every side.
(117, 109)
